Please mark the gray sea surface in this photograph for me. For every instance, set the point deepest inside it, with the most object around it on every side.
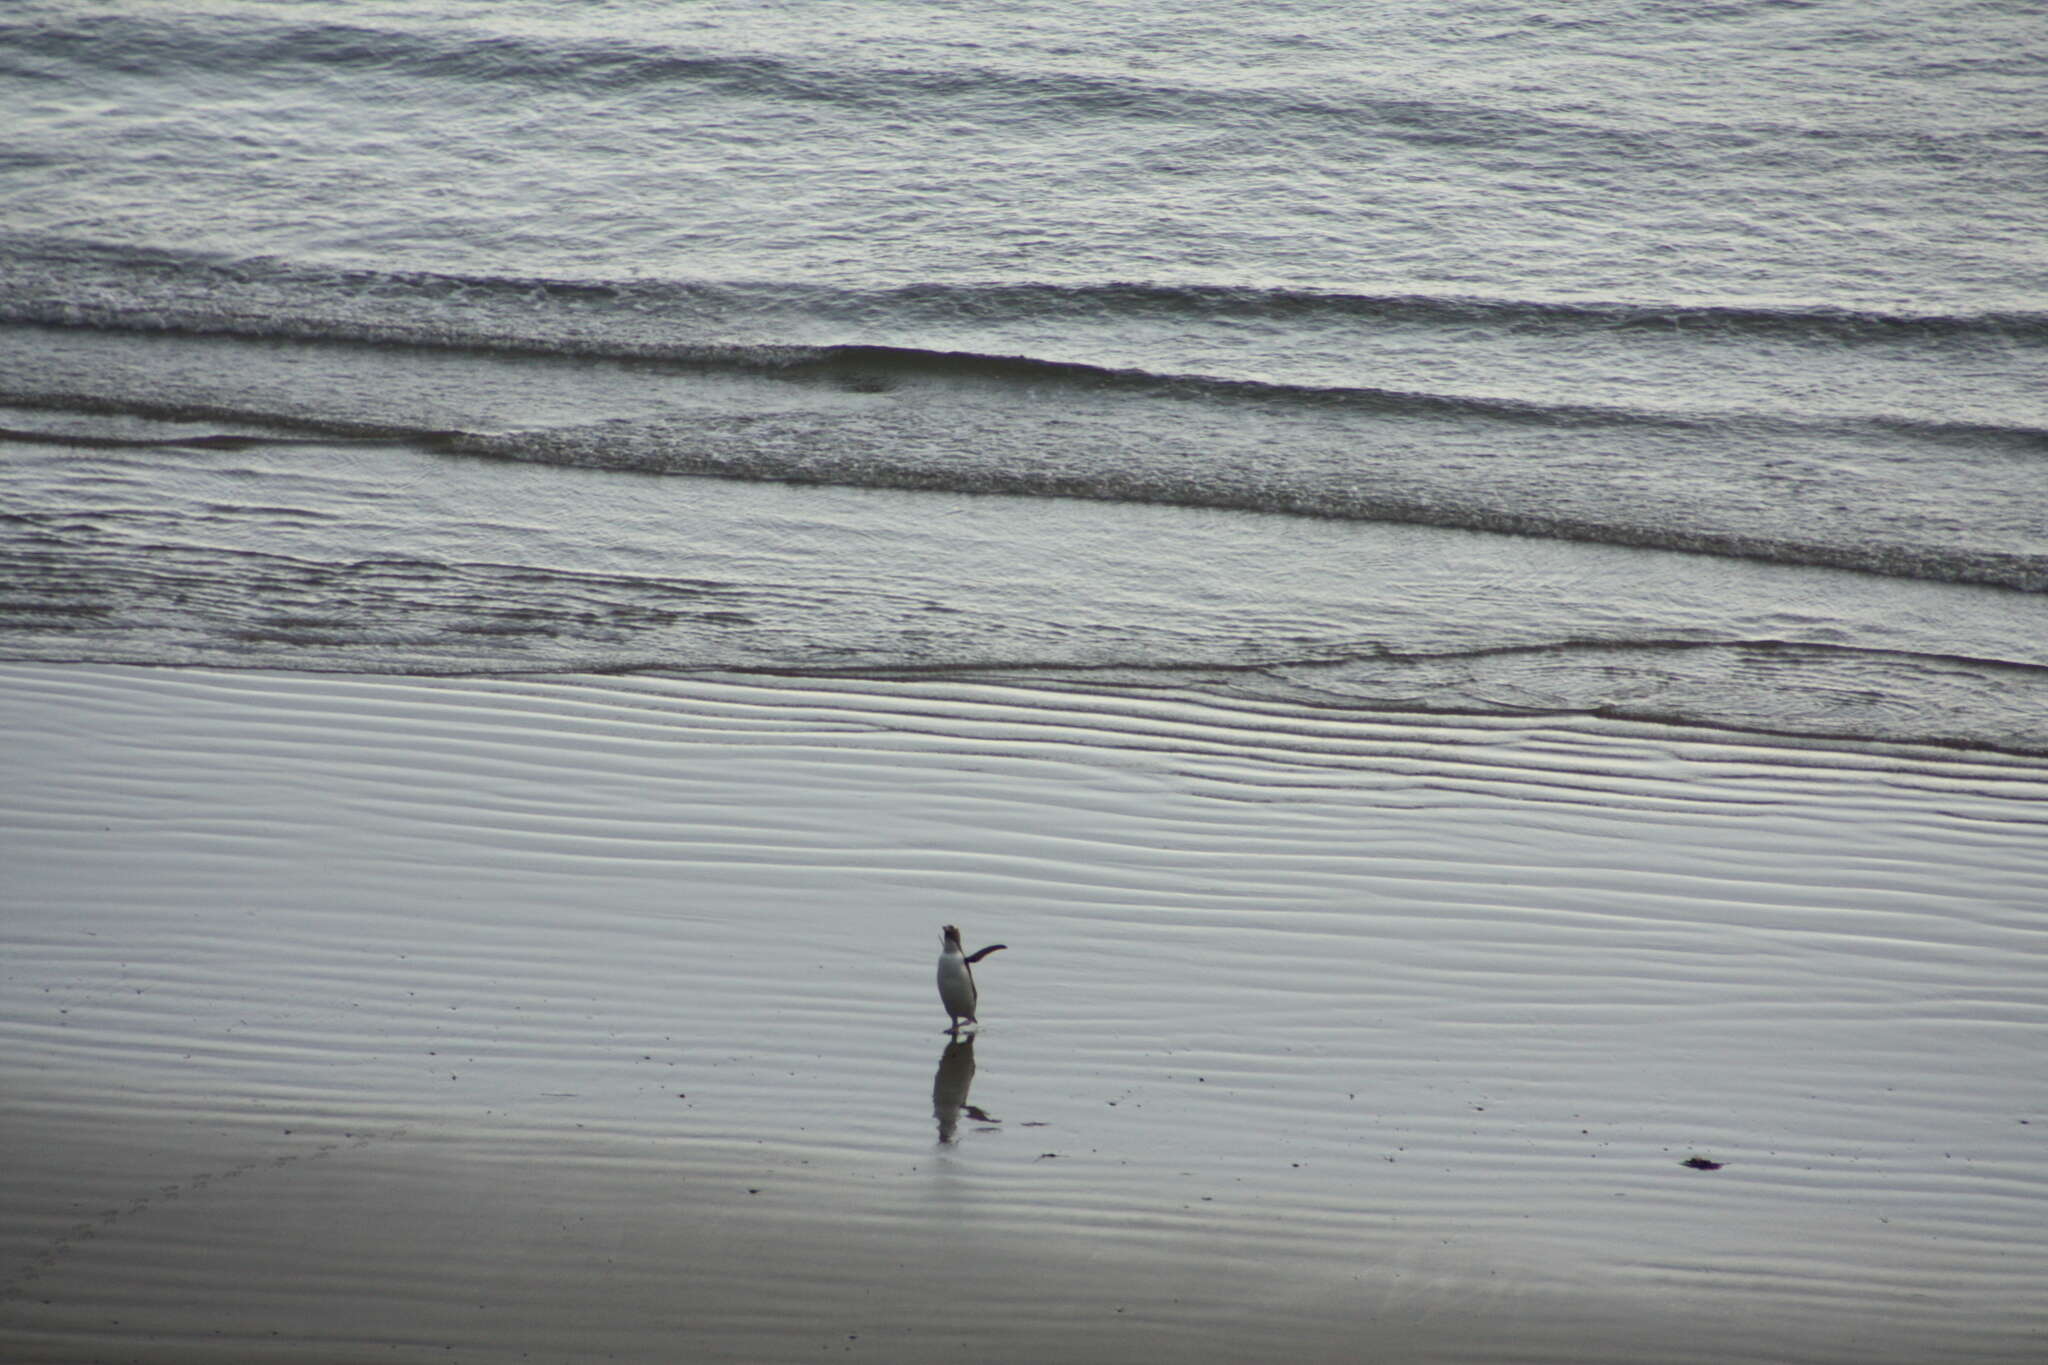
(1742, 295)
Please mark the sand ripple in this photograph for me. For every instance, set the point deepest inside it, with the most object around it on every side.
(581, 1015)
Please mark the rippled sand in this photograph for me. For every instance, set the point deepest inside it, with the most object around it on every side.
(349, 1019)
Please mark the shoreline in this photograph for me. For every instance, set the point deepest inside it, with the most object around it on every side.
(590, 1016)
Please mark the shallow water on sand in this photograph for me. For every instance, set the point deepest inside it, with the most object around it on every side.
(577, 1017)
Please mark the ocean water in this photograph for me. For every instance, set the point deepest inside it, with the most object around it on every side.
(1668, 360)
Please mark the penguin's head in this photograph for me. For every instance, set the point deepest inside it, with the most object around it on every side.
(950, 937)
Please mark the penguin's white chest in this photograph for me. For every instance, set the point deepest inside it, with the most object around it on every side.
(956, 985)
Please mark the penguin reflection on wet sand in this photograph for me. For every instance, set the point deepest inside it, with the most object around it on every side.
(949, 1089)
(956, 976)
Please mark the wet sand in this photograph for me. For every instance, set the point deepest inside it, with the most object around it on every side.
(581, 1018)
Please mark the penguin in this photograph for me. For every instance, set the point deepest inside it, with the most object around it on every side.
(956, 976)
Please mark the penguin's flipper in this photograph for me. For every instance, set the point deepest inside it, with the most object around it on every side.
(992, 948)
